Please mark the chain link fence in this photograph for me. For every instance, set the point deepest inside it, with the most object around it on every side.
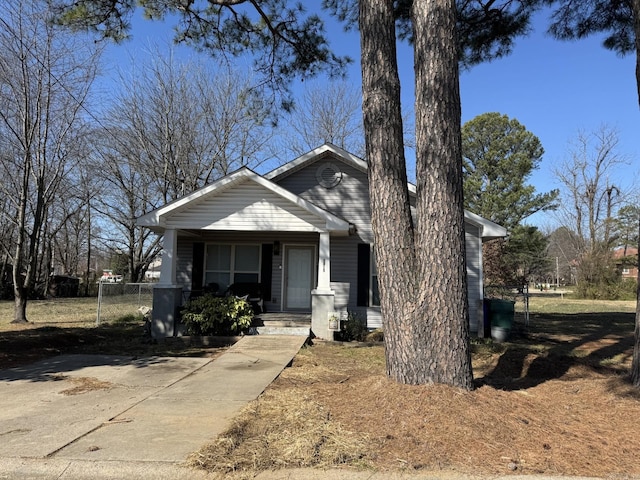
(116, 300)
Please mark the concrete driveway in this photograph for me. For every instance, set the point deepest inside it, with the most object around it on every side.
(76, 412)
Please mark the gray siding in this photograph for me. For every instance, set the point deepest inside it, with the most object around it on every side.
(184, 264)
(185, 256)
(344, 254)
(348, 200)
(341, 301)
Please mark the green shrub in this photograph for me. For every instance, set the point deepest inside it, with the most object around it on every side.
(616, 290)
(627, 289)
(211, 315)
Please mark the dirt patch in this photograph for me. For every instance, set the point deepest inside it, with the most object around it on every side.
(546, 403)
(83, 385)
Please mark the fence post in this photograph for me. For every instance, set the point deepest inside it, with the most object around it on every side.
(526, 305)
(99, 303)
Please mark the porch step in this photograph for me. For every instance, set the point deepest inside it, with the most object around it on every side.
(283, 324)
(283, 330)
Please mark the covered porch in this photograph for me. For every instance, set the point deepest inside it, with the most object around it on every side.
(255, 232)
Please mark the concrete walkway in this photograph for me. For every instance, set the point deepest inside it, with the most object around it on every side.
(92, 416)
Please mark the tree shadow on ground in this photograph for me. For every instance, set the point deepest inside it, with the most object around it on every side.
(553, 343)
(49, 369)
(108, 343)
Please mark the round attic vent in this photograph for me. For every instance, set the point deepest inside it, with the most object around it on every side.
(328, 175)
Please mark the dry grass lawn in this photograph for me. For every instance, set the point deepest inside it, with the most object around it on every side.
(555, 400)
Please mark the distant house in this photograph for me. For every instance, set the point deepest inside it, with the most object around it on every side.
(301, 232)
(109, 277)
(153, 272)
(626, 261)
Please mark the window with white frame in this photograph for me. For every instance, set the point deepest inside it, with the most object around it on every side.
(226, 264)
(374, 301)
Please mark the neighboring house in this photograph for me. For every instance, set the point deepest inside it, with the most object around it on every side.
(303, 231)
(626, 259)
(109, 277)
(153, 272)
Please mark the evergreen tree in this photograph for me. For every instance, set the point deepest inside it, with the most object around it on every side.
(498, 156)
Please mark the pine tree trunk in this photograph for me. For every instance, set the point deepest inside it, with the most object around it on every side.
(422, 284)
(635, 365)
(635, 6)
(440, 213)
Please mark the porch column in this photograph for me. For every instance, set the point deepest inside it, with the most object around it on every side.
(323, 298)
(167, 295)
(168, 266)
(324, 263)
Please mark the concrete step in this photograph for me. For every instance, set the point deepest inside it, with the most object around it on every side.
(283, 323)
(283, 330)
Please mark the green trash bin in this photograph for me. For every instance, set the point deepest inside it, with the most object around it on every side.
(501, 313)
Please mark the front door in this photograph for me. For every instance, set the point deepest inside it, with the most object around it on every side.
(298, 280)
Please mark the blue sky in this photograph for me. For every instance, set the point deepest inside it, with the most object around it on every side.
(556, 89)
(553, 88)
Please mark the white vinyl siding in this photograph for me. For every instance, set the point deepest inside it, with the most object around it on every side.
(246, 207)
(474, 274)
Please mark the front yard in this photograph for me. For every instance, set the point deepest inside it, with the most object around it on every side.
(554, 400)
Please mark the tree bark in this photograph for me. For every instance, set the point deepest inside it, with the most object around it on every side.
(635, 365)
(422, 283)
(443, 299)
(19, 290)
(390, 210)
(635, 8)
(89, 231)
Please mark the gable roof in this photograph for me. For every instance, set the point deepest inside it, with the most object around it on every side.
(316, 154)
(276, 207)
(488, 229)
(279, 209)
